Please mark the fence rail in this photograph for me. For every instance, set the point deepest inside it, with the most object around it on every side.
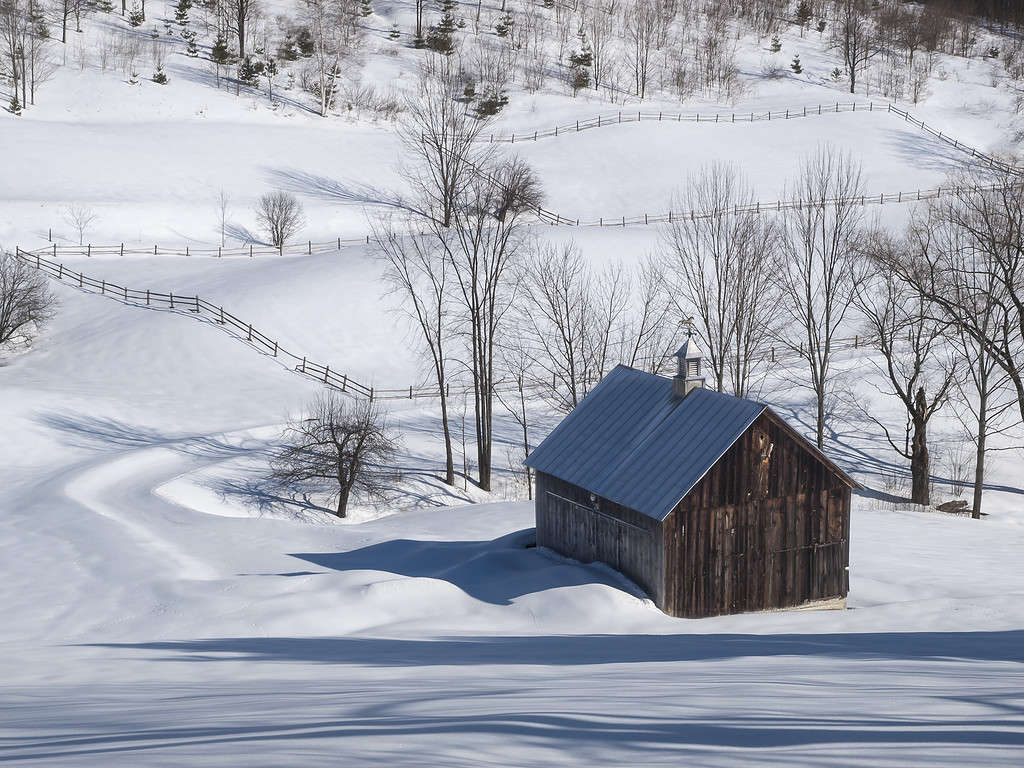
(789, 113)
(240, 330)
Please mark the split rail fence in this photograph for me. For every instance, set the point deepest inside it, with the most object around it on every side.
(246, 332)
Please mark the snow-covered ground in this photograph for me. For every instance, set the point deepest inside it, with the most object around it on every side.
(161, 604)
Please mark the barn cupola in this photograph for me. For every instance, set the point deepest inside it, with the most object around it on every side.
(688, 373)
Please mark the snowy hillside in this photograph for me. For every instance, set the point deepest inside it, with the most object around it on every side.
(165, 603)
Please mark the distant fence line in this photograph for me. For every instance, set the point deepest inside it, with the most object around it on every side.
(788, 113)
(552, 218)
(54, 251)
(246, 332)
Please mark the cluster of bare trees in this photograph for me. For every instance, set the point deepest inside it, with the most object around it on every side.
(26, 302)
(940, 305)
(24, 50)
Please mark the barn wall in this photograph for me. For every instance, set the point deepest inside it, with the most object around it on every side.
(621, 537)
(757, 534)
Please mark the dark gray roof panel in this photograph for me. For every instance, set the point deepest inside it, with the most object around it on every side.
(633, 442)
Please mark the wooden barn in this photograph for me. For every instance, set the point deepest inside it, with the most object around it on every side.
(711, 503)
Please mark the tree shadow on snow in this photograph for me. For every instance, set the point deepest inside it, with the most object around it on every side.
(572, 650)
(331, 190)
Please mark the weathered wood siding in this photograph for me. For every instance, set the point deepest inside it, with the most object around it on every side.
(628, 541)
(767, 527)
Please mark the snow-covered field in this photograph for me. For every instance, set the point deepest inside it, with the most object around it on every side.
(161, 604)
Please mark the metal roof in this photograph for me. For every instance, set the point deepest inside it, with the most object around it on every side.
(635, 443)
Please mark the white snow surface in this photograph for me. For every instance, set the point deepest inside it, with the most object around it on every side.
(161, 604)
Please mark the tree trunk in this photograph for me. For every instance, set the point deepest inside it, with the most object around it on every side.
(449, 455)
(342, 502)
(979, 456)
(241, 36)
(820, 424)
(920, 474)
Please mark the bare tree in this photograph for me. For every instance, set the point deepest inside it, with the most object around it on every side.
(335, 36)
(280, 215)
(718, 267)
(570, 317)
(26, 301)
(642, 27)
(24, 41)
(483, 246)
(915, 363)
(80, 218)
(223, 207)
(240, 16)
(599, 33)
(343, 442)
(441, 139)
(820, 270)
(856, 37)
(967, 258)
(418, 272)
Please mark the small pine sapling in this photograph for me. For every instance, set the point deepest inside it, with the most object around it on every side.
(219, 53)
(136, 17)
(504, 26)
(490, 104)
(104, 6)
(159, 77)
(469, 90)
(993, 52)
(181, 12)
(15, 106)
(820, 27)
(366, 8)
(837, 74)
(795, 66)
(776, 45)
(395, 33)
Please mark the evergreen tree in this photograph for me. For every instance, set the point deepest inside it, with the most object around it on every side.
(776, 46)
(136, 17)
(366, 7)
(795, 66)
(803, 15)
(219, 53)
(491, 103)
(504, 26)
(249, 70)
(395, 33)
(15, 104)
(159, 76)
(181, 12)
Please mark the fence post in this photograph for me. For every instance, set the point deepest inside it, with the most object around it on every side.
(410, 392)
(122, 250)
(103, 287)
(250, 250)
(327, 371)
(172, 300)
(309, 247)
(126, 293)
(154, 250)
(197, 302)
(186, 250)
(60, 272)
(275, 349)
(219, 254)
(303, 368)
(856, 340)
(55, 250)
(79, 279)
(371, 394)
(147, 297)
(344, 382)
(222, 315)
(339, 243)
(88, 250)
(249, 334)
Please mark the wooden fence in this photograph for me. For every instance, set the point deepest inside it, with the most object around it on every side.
(789, 113)
(200, 308)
